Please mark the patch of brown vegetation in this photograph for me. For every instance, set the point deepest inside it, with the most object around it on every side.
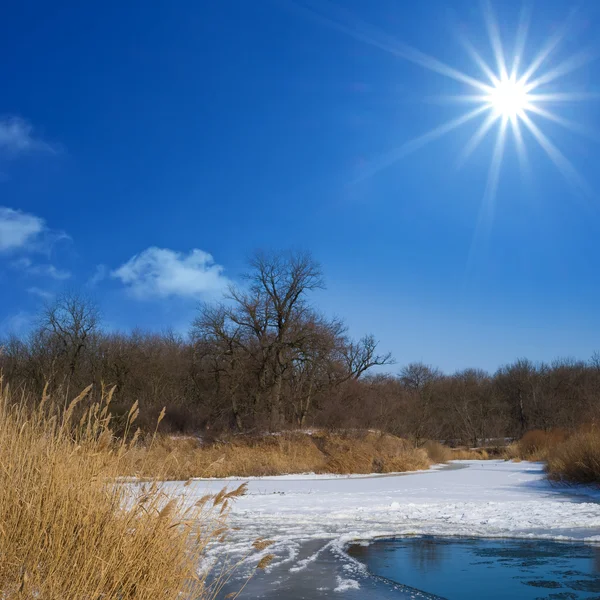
(576, 459)
(285, 453)
(536, 445)
(438, 453)
(572, 457)
(470, 454)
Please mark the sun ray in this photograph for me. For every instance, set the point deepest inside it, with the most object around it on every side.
(419, 142)
(566, 123)
(563, 164)
(520, 145)
(466, 44)
(435, 65)
(494, 173)
(564, 97)
(521, 39)
(371, 35)
(458, 98)
(486, 211)
(477, 137)
(546, 50)
(567, 66)
(496, 41)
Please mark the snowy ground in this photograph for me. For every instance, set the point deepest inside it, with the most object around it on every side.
(311, 518)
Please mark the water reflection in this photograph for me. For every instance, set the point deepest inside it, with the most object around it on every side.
(596, 559)
(428, 554)
(464, 569)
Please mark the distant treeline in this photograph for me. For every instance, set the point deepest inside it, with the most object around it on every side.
(265, 358)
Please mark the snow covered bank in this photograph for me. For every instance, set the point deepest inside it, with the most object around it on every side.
(484, 499)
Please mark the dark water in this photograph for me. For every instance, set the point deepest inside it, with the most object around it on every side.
(465, 569)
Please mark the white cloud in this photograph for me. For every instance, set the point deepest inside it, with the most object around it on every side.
(21, 264)
(44, 294)
(50, 271)
(18, 229)
(21, 232)
(17, 324)
(99, 275)
(162, 273)
(44, 270)
(17, 137)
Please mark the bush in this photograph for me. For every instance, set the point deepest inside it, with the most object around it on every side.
(437, 452)
(536, 444)
(577, 459)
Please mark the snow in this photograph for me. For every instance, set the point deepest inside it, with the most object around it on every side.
(469, 498)
(346, 584)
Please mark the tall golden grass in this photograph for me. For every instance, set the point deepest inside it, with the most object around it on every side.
(570, 456)
(287, 453)
(67, 531)
(576, 459)
(536, 445)
(439, 453)
(473, 453)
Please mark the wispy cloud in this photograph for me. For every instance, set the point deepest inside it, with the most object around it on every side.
(163, 273)
(17, 324)
(18, 229)
(26, 265)
(17, 138)
(44, 294)
(99, 275)
(26, 233)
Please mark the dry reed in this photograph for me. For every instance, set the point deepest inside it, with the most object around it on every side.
(287, 453)
(572, 457)
(536, 445)
(576, 459)
(69, 532)
(439, 453)
(470, 454)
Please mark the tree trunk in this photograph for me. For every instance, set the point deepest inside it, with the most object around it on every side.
(306, 407)
(522, 420)
(236, 413)
(276, 402)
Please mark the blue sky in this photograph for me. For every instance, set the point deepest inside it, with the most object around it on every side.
(146, 149)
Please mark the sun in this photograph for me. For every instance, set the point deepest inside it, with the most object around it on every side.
(507, 95)
(508, 98)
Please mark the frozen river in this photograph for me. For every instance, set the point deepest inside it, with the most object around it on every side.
(313, 519)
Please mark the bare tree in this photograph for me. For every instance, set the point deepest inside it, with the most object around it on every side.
(470, 400)
(517, 383)
(264, 322)
(70, 322)
(282, 281)
(361, 356)
(419, 380)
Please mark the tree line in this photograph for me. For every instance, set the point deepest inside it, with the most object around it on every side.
(265, 358)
